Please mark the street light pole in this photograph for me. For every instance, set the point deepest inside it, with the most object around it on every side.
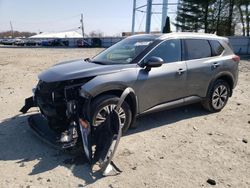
(133, 17)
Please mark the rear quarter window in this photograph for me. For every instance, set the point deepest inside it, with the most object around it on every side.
(217, 48)
(197, 49)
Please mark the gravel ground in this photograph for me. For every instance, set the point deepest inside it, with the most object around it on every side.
(183, 147)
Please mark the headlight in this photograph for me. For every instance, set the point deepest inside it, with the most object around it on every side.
(83, 93)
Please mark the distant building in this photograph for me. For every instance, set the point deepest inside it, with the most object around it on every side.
(59, 35)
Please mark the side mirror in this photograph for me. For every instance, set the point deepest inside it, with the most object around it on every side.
(153, 62)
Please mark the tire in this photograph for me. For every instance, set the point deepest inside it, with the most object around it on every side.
(217, 96)
(99, 109)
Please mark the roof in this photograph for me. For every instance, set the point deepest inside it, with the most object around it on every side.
(68, 34)
(181, 35)
(190, 35)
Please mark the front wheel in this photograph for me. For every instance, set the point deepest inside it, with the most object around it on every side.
(217, 96)
(103, 105)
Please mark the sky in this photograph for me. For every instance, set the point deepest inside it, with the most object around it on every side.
(112, 17)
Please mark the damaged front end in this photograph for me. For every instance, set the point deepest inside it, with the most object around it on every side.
(59, 104)
(65, 122)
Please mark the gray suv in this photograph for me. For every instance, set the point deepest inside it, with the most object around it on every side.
(163, 71)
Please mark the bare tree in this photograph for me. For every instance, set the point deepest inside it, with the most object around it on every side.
(6, 34)
(96, 34)
(242, 19)
(218, 17)
(247, 16)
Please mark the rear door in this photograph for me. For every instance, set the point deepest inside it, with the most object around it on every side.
(165, 83)
(202, 65)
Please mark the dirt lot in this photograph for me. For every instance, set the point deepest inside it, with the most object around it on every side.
(175, 148)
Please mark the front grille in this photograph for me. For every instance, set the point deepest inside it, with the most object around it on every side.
(47, 86)
(50, 98)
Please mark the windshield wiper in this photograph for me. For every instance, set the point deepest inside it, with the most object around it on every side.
(99, 62)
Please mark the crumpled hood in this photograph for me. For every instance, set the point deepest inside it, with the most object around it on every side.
(76, 69)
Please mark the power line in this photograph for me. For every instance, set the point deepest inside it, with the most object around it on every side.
(141, 22)
(50, 21)
(156, 18)
(146, 8)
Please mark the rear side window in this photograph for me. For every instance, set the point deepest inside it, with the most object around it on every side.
(217, 48)
(169, 51)
(197, 49)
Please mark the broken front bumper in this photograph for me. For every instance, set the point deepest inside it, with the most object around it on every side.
(106, 138)
(39, 124)
(41, 128)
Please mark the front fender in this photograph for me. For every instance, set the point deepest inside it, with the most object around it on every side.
(115, 81)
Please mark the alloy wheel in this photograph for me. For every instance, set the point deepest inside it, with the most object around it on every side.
(219, 97)
(105, 111)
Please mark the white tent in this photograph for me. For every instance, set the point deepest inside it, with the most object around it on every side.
(61, 35)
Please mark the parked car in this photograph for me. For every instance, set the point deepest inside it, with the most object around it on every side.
(55, 42)
(163, 71)
(32, 42)
(8, 41)
(83, 43)
(20, 42)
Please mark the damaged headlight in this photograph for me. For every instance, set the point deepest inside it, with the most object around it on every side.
(83, 93)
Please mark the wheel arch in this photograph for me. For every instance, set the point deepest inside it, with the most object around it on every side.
(227, 77)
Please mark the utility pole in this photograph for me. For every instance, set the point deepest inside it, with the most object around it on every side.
(11, 28)
(164, 13)
(148, 17)
(133, 17)
(82, 25)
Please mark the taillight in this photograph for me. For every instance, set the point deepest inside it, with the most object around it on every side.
(236, 58)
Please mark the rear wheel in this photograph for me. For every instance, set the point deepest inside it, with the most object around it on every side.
(103, 105)
(217, 96)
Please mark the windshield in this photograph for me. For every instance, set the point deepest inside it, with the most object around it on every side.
(124, 51)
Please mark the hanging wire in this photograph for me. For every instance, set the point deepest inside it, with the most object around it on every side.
(156, 18)
(141, 21)
(19, 25)
(51, 21)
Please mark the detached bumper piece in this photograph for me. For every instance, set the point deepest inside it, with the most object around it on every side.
(106, 138)
(29, 103)
(41, 128)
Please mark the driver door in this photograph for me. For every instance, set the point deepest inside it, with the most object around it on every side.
(166, 83)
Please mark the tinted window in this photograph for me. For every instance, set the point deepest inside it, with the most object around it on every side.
(169, 51)
(197, 48)
(217, 47)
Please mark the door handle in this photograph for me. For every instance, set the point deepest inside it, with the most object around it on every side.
(180, 71)
(216, 65)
